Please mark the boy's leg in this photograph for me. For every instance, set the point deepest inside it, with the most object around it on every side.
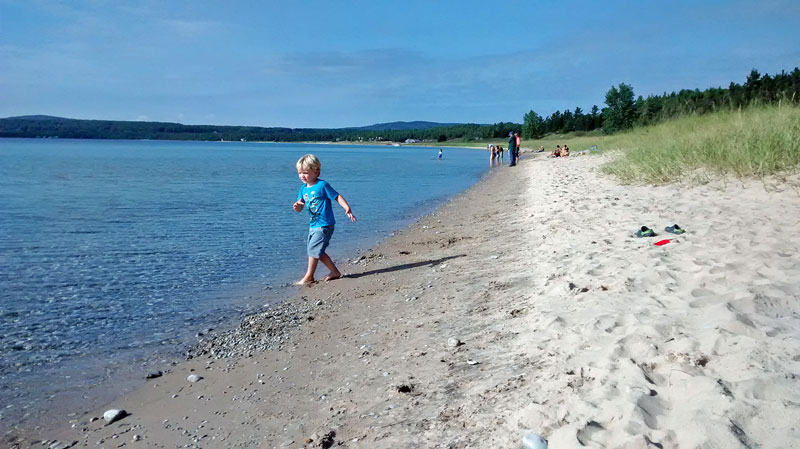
(328, 262)
(312, 267)
(318, 239)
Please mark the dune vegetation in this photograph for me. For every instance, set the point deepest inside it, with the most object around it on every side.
(751, 142)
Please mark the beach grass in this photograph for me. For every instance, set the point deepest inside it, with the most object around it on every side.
(752, 142)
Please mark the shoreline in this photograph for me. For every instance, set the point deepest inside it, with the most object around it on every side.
(567, 327)
(33, 391)
(129, 375)
(272, 320)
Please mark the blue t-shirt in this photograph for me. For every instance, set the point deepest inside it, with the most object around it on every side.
(318, 202)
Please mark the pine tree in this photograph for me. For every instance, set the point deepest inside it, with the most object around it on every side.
(621, 111)
(533, 126)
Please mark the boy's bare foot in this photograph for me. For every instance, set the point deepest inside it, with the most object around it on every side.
(333, 276)
(304, 281)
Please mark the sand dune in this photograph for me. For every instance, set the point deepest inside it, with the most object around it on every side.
(569, 327)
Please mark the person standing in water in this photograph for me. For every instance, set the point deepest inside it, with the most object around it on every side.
(318, 196)
(440, 153)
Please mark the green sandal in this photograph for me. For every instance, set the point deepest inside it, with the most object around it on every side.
(674, 229)
(645, 232)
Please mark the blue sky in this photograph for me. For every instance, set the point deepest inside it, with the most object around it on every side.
(353, 63)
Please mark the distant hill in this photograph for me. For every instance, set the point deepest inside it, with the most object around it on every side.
(395, 126)
(45, 126)
(37, 117)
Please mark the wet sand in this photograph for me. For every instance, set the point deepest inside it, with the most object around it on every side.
(568, 327)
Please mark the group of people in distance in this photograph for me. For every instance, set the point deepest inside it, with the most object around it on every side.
(560, 151)
(496, 155)
(496, 151)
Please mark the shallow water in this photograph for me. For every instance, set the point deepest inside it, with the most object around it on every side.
(112, 251)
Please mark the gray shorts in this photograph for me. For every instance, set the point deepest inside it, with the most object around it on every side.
(318, 240)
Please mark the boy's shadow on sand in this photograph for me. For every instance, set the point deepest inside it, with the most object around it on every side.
(405, 266)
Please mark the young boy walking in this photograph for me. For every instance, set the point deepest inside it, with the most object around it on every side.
(318, 196)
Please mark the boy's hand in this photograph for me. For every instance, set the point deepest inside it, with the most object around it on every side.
(347, 211)
(298, 206)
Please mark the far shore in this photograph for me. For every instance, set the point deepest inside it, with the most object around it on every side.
(466, 145)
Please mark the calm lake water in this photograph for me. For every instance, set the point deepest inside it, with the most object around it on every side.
(113, 251)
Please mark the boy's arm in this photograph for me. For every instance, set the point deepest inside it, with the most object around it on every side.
(349, 212)
(298, 205)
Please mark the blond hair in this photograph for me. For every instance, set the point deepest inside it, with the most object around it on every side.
(309, 162)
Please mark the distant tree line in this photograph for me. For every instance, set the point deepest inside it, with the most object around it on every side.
(623, 110)
(534, 126)
(108, 129)
(455, 132)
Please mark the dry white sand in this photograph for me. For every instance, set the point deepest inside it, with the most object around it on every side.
(570, 328)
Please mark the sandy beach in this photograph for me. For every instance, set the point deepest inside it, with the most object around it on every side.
(524, 305)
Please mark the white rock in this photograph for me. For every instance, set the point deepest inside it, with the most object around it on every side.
(113, 415)
(59, 444)
(194, 378)
(533, 441)
(453, 342)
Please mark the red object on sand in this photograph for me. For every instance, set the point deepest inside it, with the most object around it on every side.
(661, 242)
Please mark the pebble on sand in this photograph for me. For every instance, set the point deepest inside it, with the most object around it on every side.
(453, 342)
(194, 378)
(533, 441)
(114, 415)
(55, 444)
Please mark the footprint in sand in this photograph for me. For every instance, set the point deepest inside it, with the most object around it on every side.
(725, 268)
(586, 433)
(651, 408)
(706, 298)
(606, 323)
(775, 301)
(701, 292)
(776, 389)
